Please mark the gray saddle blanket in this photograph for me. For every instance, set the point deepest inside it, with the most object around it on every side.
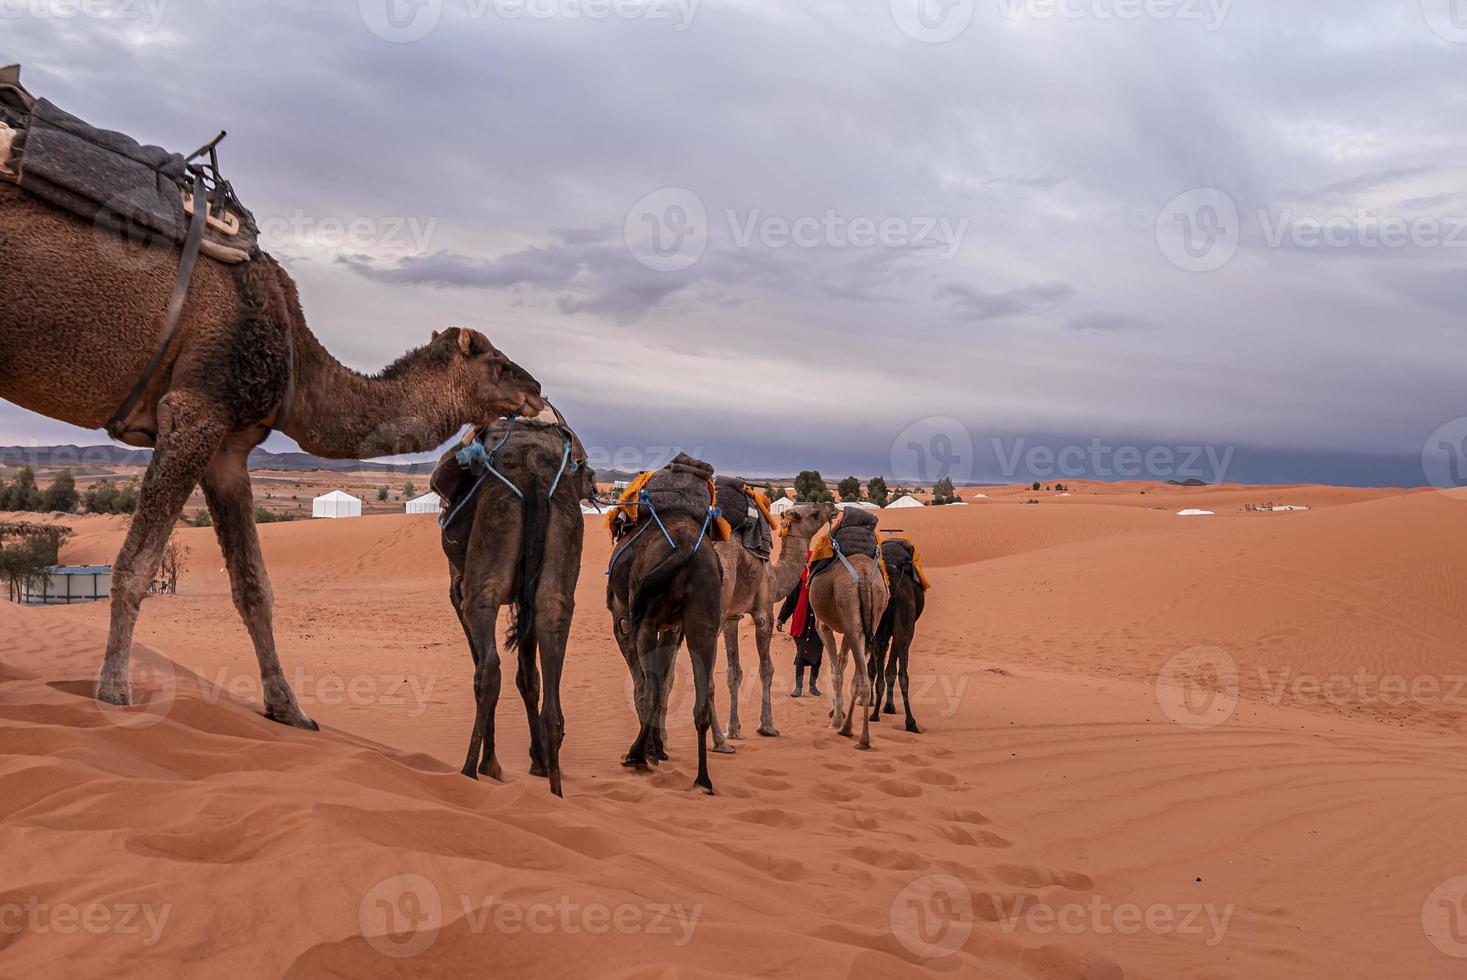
(857, 534)
(682, 486)
(744, 517)
(111, 179)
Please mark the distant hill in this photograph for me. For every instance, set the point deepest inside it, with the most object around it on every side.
(83, 459)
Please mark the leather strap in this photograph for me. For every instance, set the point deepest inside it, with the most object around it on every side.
(116, 426)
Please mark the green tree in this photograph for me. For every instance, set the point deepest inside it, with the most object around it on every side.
(810, 487)
(876, 491)
(944, 493)
(850, 489)
(25, 557)
(61, 494)
(409, 491)
(381, 493)
(23, 494)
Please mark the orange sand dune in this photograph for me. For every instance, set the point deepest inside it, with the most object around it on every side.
(1112, 781)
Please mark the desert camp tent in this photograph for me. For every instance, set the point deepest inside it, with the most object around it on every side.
(1195, 513)
(591, 510)
(428, 503)
(903, 502)
(336, 505)
(857, 504)
(781, 505)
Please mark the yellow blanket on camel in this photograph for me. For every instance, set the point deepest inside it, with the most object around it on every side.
(622, 517)
(821, 548)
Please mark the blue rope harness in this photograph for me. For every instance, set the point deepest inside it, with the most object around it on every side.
(644, 500)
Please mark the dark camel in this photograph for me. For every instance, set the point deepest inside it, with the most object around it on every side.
(893, 642)
(80, 314)
(505, 548)
(660, 596)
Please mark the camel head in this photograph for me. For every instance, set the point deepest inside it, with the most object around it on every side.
(491, 384)
(806, 520)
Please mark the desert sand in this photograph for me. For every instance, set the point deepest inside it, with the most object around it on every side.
(1154, 747)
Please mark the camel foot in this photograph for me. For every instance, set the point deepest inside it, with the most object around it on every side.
(492, 770)
(555, 785)
(706, 785)
(889, 709)
(114, 688)
(769, 731)
(662, 755)
(724, 749)
(538, 769)
(735, 734)
(469, 771)
(912, 727)
(638, 764)
(863, 746)
(292, 716)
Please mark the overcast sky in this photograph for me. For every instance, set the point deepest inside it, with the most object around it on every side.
(819, 233)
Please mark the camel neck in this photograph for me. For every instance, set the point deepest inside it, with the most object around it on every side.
(339, 413)
(790, 563)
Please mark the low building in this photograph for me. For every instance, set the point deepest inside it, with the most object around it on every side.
(335, 505)
(781, 505)
(65, 585)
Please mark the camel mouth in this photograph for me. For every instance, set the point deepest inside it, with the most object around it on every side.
(535, 404)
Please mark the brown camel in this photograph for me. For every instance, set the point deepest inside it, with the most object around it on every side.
(898, 627)
(660, 596)
(851, 605)
(519, 545)
(751, 587)
(80, 314)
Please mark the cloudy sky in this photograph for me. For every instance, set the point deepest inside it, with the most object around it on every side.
(863, 235)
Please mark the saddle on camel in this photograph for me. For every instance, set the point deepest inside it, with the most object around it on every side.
(852, 533)
(747, 513)
(684, 486)
(144, 193)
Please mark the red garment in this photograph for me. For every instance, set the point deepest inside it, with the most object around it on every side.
(802, 606)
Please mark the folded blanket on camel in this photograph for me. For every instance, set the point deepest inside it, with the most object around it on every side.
(109, 178)
(684, 486)
(747, 514)
(902, 558)
(856, 535)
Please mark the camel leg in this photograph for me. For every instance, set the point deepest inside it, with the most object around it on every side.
(900, 653)
(527, 680)
(189, 432)
(832, 661)
(848, 718)
(651, 659)
(481, 609)
(657, 751)
(874, 674)
(232, 508)
(861, 693)
(552, 627)
(763, 634)
(703, 649)
(735, 677)
(892, 661)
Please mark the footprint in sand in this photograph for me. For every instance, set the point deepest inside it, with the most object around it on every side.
(889, 858)
(960, 814)
(768, 782)
(776, 819)
(834, 793)
(1028, 876)
(899, 787)
(936, 777)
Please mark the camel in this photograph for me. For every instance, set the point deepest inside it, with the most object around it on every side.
(852, 607)
(659, 597)
(520, 546)
(752, 587)
(898, 627)
(80, 314)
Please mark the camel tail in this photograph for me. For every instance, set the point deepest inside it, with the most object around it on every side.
(536, 523)
(869, 621)
(655, 583)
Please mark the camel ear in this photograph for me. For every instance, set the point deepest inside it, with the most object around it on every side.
(434, 337)
(473, 343)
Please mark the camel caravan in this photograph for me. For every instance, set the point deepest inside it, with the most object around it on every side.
(135, 297)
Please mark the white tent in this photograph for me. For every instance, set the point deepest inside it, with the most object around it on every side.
(336, 504)
(781, 505)
(592, 511)
(1195, 513)
(857, 505)
(428, 503)
(903, 502)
